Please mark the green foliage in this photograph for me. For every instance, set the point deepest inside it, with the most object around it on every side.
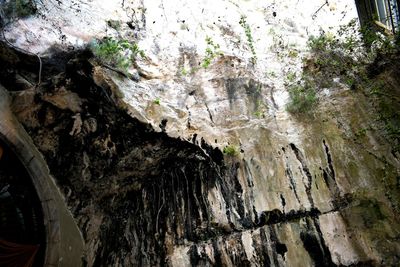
(184, 71)
(353, 56)
(291, 76)
(212, 51)
(369, 35)
(346, 54)
(340, 56)
(260, 107)
(373, 37)
(259, 114)
(271, 74)
(249, 36)
(319, 43)
(302, 98)
(231, 150)
(293, 54)
(361, 133)
(388, 106)
(117, 53)
(350, 81)
(19, 8)
(157, 101)
(397, 40)
(24, 8)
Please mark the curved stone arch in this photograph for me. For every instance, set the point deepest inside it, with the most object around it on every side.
(64, 242)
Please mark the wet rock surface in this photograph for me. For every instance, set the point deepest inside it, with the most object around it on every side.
(142, 198)
(139, 160)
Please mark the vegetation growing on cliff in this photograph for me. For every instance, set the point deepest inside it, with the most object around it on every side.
(302, 98)
(351, 59)
(231, 150)
(17, 9)
(212, 51)
(249, 37)
(347, 58)
(117, 53)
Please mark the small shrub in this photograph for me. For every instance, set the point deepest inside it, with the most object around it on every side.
(259, 114)
(24, 8)
(184, 71)
(157, 101)
(350, 82)
(260, 107)
(293, 54)
(397, 40)
(345, 56)
(212, 51)
(321, 42)
(271, 74)
(302, 99)
(331, 58)
(19, 8)
(387, 104)
(117, 53)
(291, 76)
(231, 150)
(361, 133)
(249, 36)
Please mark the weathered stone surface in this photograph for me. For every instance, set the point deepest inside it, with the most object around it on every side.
(64, 100)
(64, 244)
(154, 188)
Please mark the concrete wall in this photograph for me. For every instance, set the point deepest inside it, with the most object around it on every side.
(64, 243)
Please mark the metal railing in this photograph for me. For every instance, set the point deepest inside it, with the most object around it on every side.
(383, 13)
(394, 15)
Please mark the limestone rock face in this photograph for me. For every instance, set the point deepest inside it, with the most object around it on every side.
(140, 160)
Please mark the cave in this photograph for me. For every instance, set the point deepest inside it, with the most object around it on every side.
(22, 230)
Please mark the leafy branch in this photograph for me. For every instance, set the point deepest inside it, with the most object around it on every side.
(212, 51)
(117, 53)
(249, 36)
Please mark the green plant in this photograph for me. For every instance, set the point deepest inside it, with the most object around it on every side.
(353, 56)
(18, 8)
(291, 76)
(212, 51)
(397, 40)
(184, 71)
(259, 114)
(387, 105)
(116, 53)
(302, 99)
(231, 150)
(24, 8)
(260, 107)
(321, 43)
(334, 56)
(271, 74)
(293, 53)
(250, 40)
(350, 81)
(157, 101)
(361, 133)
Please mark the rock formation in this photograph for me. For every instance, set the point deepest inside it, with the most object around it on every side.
(189, 157)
